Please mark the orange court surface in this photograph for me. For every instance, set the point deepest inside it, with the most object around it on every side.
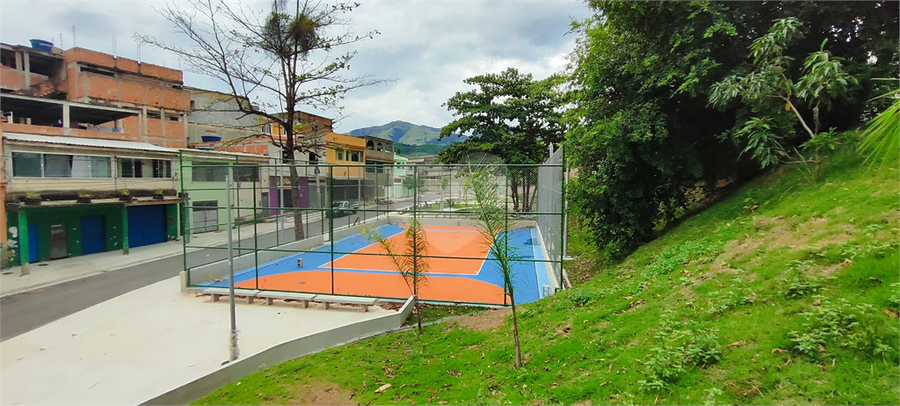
(460, 268)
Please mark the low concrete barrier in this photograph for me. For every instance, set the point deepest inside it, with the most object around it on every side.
(288, 350)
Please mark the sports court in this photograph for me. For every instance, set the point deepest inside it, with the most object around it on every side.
(460, 268)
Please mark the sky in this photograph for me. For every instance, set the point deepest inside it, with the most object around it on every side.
(425, 49)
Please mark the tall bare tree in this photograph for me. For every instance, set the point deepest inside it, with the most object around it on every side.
(273, 62)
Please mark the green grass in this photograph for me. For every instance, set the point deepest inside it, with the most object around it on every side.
(780, 294)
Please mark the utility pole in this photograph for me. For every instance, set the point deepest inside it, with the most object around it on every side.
(233, 349)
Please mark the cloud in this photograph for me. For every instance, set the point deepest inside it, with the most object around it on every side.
(428, 47)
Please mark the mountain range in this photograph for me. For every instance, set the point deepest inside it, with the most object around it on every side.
(402, 132)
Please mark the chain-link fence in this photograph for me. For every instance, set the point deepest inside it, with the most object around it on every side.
(302, 228)
(550, 217)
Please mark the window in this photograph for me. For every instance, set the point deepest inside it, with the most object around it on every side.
(145, 168)
(313, 158)
(246, 173)
(209, 172)
(340, 155)
(131, 168)
(379, 147)
(355, 156)
(267, 129)
(162, 168)
(38, 165)
(370, 145)
(57, 166)
(154, 115)
(27, 165)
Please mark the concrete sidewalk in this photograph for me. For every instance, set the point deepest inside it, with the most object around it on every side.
(146, 342)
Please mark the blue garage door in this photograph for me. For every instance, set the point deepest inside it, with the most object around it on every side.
(93, 235)
(33, 249)
(146, 225)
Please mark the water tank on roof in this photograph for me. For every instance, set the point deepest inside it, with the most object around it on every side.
(42, 45)
(210, 138)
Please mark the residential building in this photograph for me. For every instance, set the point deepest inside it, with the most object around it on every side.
(401, 185)
(346, 156)
(79, 125)
(204, 188)
(379, 161)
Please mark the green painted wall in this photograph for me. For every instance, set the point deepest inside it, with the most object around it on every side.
(172, 228)
(70, 216)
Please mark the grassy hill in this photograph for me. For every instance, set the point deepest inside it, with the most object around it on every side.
(784, 293)
(406, 133)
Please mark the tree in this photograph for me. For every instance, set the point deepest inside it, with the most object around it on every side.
(767, 87)
(642, 133)
(412, 263)
(492, 218)
(281, 59)
(512, 116)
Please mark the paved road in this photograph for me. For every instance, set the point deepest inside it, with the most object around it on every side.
(29, 310)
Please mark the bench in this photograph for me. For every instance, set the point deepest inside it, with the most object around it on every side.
(365, 302)
(304, 298)
(218, 291)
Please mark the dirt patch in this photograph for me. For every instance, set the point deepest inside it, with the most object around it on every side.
(736, 249)
(321, 393)
(484, 321)
(840, 239)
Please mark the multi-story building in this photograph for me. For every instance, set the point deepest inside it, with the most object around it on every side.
(346, 156)
(379, 161)
(81, 126)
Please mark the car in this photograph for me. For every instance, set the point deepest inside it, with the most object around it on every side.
(343, 208)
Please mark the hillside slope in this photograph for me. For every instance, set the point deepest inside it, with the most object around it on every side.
(407, 133)
(784, 293)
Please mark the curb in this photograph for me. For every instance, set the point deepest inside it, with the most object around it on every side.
(44, 285)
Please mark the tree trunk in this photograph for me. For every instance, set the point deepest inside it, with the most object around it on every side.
(295, 203)
(514, 185)
(516, 331)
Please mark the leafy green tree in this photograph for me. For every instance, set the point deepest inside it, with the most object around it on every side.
(642, 133)
(411, 261)
(512, 116)
(824, 81)
(641, 137)
(492, 218)
(277, 60)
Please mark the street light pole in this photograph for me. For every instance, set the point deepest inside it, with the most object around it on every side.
(233, 349)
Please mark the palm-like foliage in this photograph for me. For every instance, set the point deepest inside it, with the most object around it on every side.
(492, 218)
(882, 136)
(411, 263)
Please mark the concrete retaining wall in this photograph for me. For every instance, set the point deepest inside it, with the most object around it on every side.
(288, 350)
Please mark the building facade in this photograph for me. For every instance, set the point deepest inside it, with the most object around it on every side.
(90, 143)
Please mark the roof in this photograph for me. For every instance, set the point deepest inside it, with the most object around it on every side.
(193, 152)
(87, 142)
